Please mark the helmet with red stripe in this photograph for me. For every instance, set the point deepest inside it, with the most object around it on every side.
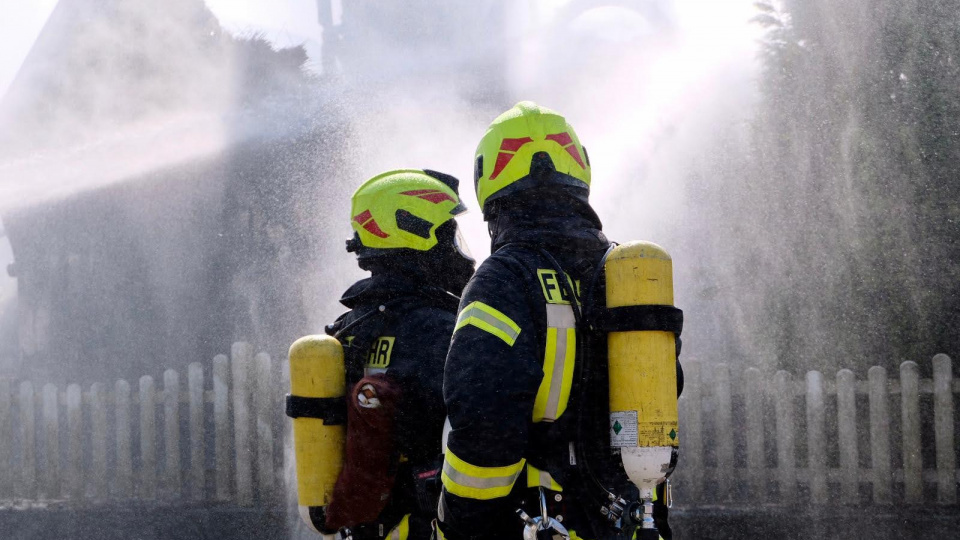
(526, 147)
(402, 209)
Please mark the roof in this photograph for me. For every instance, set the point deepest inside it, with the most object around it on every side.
(113, 89)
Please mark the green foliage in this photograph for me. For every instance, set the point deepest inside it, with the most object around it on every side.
(846, 200)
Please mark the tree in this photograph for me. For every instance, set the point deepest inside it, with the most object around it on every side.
(845, 194)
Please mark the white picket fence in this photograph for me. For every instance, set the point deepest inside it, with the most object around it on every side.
(745, 437)
(217, 440)
(752, 428)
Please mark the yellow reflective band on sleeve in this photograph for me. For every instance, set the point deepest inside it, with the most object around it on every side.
(490, 320)
(558, 362)
(473, 482)
(538, 478)
(401, 531)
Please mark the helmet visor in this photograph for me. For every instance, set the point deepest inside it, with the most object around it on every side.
(460, 243)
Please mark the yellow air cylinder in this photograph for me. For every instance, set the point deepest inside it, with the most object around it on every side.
(317, 371)
(642, 366)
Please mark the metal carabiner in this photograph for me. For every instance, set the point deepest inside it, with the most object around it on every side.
(542, 523)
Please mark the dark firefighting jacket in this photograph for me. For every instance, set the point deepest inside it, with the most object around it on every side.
(512, 394)
(401, 328)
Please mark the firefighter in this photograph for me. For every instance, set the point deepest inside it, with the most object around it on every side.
(395, 339)
(521, 422)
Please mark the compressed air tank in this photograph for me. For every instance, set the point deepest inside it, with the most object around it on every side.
(642, 366)
(317, 373)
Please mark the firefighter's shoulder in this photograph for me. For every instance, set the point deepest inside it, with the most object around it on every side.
(497, 300)
(427, 319)
(422, 334)
(506, 271)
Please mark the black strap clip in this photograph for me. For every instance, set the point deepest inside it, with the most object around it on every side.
(661, 318)
(333, 411)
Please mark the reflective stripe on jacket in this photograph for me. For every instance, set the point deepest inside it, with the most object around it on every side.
(508, 379)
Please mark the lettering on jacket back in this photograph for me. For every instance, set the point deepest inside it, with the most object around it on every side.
(379, 355)
(555, 291)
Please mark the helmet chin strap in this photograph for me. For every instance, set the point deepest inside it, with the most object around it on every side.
(493, 225)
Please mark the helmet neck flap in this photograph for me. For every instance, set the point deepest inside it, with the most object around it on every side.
(558, 218)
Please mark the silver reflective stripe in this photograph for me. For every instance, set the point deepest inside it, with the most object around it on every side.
(478, 313)
(545, 480)
(479, 483)
(541, 478)
(560, 319)
(560, 316)
(556, 380)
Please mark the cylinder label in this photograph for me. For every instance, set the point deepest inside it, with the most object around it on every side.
(623, 429)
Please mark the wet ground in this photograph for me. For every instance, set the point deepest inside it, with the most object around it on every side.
(827, 522)
(181, 522)
(143, 522)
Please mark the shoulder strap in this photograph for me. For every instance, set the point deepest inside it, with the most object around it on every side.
(586, 369)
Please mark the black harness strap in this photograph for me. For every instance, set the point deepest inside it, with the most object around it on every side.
(333, 410)
(638, 318)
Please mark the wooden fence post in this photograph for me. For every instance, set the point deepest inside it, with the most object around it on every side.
(221, 419)
(816, 444)
(124, 438)
(171, 431)
(148, 438)
(289, 480)
(691, 434)
(786, 443)
(240, 360)
(6, 440)
(51, 442)
(246, 403)
(267, 405)
(74, 476)
(98, 441)
(28, 442)
(197, 455)
(756, 472)
(847, 436)
(943, 429)
(879, 435)
(910, 409)
(724, 430)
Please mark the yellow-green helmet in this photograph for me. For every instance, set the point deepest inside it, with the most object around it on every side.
(402, 209)
(523, 144)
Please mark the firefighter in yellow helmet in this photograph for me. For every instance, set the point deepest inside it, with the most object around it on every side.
(395, 339)
(528, 421)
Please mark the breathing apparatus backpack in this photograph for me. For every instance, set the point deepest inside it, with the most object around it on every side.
(329, 460)
(626, 385)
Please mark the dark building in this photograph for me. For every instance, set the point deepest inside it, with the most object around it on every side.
(171, 169)
(180, 184)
